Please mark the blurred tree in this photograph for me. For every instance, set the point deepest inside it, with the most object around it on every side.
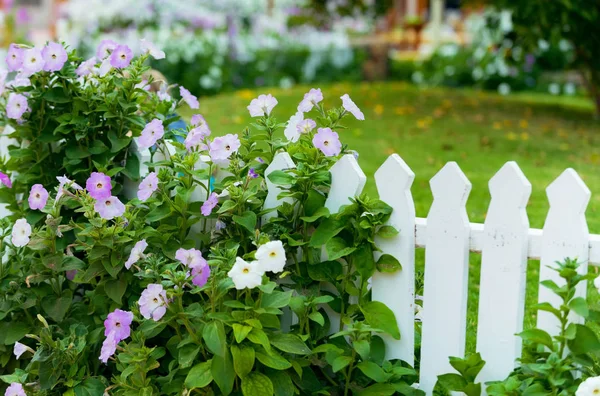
(577, 21)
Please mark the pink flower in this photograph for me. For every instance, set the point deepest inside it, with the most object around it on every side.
(54, 56)
(190, 99)
(200, 275)
(263, 105)
(15, 389)
(109, 208)
(311, 98)
(86, 68)
(306, 126)
(98, 185)
(137, 253)
(153, 131)
(327, 141)
(38, 196)
(119, 323)
(351, 107)
(196, 138)
(153, 302)
(109, 347)
(121, 56)
(147, 186)
(222, 147)
(209, 204)
(33, 61)
(190, 257)
(149, 48)
(4, 179)
(16, 106)
(105, 48)
(14, 57)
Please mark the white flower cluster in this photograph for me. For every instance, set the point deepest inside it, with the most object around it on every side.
(270, 257)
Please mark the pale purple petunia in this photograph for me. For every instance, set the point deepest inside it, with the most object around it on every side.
(351, 107)
(252, 173)
(196, 138)
(98, 185)
(20, 80)
(149, 47)
(15, 389)
(190, 257)
(200, 275)
(198, 120)
(209, 204)
(4, 179)
(137, 253)
(121, 57)
(16, 106)
(220, 225)
(33, 61)
(263, 105)
(153, 302)
(190, 99)
(20, 349)
(105, 48)
(14, 57)
(109, 208)
(152, 132)
(147, 186)
(86, 67)
(311, 98)
(119, 323)
(306, 126)
(55, 56)
(104, 68)
(222, 147)
(109, 347)
(327, 141)
(38, 196)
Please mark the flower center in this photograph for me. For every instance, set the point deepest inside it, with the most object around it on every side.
(123, 56)
(107, 203)
(18, 105)
(53, 56)
(37, 195)
(99, 185)
(326, 143)
(155, 300)
(118, 324)
(228, 147)
(246, 270)
(272, 254)
(33, 60)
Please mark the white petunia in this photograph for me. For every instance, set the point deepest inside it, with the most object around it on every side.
(151, 49)
(291, 130)
(271, 256)
(589, 387)
(20, 349)
(137, 253)
(245, 274)
(20, 233)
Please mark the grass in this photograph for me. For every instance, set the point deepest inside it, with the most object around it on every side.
(481, 131)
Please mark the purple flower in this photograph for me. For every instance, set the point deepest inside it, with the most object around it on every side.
(121, 57)
(4, 179)
(263, 105)
(149, 48)
(252, 173)
(38, 196)
(15, 389)
(22, 16)
(71, 274)
(351, 107)
(109, 208)
(86, 68)
(190, 257)
(198, 120)
(209, 204)
(327, 141)
(311, 98)
(20, 80)
(109, 347)
(105, 48)
(33, 61)
(137, 253)
(222, 147)
(14, 57)
(220, 225)
(153, 131)
(196, 138)
(118, 322)
(190, 99)
(54, 56)
(147, 186)
(200, 274)
(153, 302)
(306, 126)
(262, 161)
(16, 106)
(98, 185)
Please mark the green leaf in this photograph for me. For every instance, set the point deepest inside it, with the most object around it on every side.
(379, 316)
(76, 152)
(13, 331)
(585, 341)
(56, 95)
(327, 271)
(240, 332)
(363, 348)
(282, 383)
(56, 307)
(280, 177)
(187, 354)
(117, 143)
(364, 261)
(257, 384)
(246, 220)
(222, 372)
(273, 360)
(452, 382)
(259, 337)
(340, 362)
(373, 371)
(151, 329)
(329, 228)
(290, 343)
(199, 376)
(379, 390)
(161, 212)
(321, 212)
(387, 231)
(90, 387)
(115, 289)
(317, 317)
(337, 248)
(276, 299)
(537, 336)
(579, 306)
(243, 359)
(214, 336)
(388, 263)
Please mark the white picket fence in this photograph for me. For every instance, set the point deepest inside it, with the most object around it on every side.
(505, 242)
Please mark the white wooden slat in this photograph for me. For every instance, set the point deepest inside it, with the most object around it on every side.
(281, 161)
(394, 180)
(347, 181)
(565, 235)
(503, 273)
(130, 187)
(6, 141)
(446, 275)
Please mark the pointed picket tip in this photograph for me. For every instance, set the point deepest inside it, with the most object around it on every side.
(450, 186)
(347, 181)
(569, 192)
(510, 185)
(394, 173)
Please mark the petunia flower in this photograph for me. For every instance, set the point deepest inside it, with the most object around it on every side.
(86, 67)
(589, 387)
(196, 138)
(209, 204)
(121, 57)
(291, 129)
(153, 302)
(246, 275)
(119, 323)
(351, 107)
(200, 274)
(14, 57)
(109, 347)
(16, 106)
(65, 181)
(152, 132)
(190, 257)
(263, 105)
(306, 126)
(20, 349)
(198, 120)
(105, 48)
(15, 389)
(98, 185)
(20, 233)
(149, 48)
(4, 179)
(220, 225)
(147, 186)
(38, 196)
(33, 61)
(271, 256)
(252, 173)
(55, 56)
(222, 147)
(327, 141)
(104, 68)
(188, 98)
(311, 98)
(109, 208)
(137, 253)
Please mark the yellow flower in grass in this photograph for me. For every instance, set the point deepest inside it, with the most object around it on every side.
(524, 136)
(497, 125)
(245, 94)
(512, 136)
(378, 109)
(524, 124)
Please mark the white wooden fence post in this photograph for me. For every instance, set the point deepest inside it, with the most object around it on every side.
(281, 161)
(503, 273)
(446, 275)
(394, 179)
(565, 235)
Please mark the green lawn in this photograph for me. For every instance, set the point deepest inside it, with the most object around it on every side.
(480, 131)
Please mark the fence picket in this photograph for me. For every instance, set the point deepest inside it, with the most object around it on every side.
(281, 161)
(394, 180)
(503, 273)
(565, 235)
(446, 275)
